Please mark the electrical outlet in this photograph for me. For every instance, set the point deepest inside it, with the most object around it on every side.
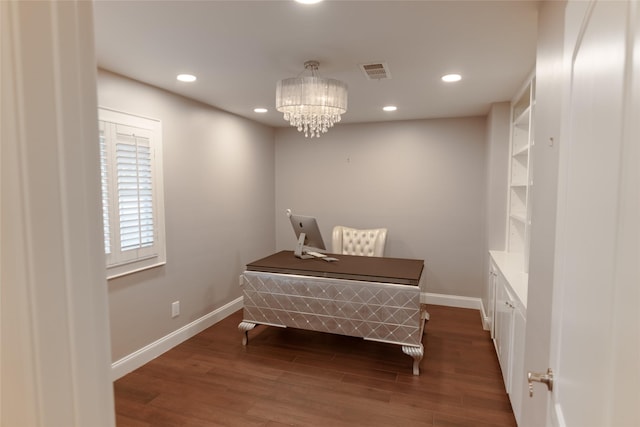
(175, 309)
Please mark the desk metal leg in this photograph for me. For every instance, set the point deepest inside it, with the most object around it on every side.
(416, 353)
(246, 327)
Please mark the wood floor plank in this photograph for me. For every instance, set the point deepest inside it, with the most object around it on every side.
(288, 377)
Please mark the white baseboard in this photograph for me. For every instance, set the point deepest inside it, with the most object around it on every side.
(138, 358)
(451, 300)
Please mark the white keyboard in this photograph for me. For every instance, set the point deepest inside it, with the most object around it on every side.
(315, 254)
(321, 256)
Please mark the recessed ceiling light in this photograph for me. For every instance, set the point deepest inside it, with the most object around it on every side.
(186, 78)
(260, 110)
(390, 108)
(308, 1)
(452, 78)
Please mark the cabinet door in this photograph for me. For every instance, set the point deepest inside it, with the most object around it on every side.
(492, 299)
(504, 329)
(518, 391)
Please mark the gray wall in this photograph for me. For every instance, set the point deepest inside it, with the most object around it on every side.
(219, 207)
(424, 180)
(228, 180)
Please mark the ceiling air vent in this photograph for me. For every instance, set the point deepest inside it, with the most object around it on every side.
(376, 71)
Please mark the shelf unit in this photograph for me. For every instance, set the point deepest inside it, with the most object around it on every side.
(508, 269)
(520, 182)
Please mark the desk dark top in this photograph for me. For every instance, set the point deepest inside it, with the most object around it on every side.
(373, 269)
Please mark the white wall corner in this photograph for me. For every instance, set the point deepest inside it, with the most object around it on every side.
(146, 354)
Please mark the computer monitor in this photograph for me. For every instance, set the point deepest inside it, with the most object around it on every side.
(307, 232)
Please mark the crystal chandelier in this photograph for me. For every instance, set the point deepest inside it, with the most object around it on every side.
(311, 103)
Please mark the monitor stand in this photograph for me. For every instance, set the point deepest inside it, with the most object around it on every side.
(301, 249)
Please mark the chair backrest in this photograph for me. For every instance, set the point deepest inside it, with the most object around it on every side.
(351, 241)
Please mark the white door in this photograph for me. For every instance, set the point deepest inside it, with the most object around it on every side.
(594, 348)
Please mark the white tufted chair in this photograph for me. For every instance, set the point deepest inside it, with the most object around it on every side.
(351, 241)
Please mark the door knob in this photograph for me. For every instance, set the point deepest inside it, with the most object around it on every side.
(546, 378)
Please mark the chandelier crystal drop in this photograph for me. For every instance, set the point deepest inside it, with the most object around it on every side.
(311, 104)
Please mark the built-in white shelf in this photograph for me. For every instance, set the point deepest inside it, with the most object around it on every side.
(508, 278)
(522, 151)
(518, 225)
(523, 119)
(519, 216)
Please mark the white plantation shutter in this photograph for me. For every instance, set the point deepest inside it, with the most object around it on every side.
(135, 191)
(131, 192)
(104, 174)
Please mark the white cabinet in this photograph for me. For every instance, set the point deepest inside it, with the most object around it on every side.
(509, 323)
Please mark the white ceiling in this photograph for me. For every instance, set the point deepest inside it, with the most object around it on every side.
(240, 49)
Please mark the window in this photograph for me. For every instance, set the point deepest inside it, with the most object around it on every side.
(132, 192)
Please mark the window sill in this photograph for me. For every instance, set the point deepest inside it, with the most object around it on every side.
(116, 274)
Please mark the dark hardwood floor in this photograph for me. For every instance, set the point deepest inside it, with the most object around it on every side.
(302, 378)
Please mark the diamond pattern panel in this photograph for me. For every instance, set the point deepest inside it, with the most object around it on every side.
(378, 311)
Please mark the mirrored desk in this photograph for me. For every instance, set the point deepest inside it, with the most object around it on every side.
(374, 298)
